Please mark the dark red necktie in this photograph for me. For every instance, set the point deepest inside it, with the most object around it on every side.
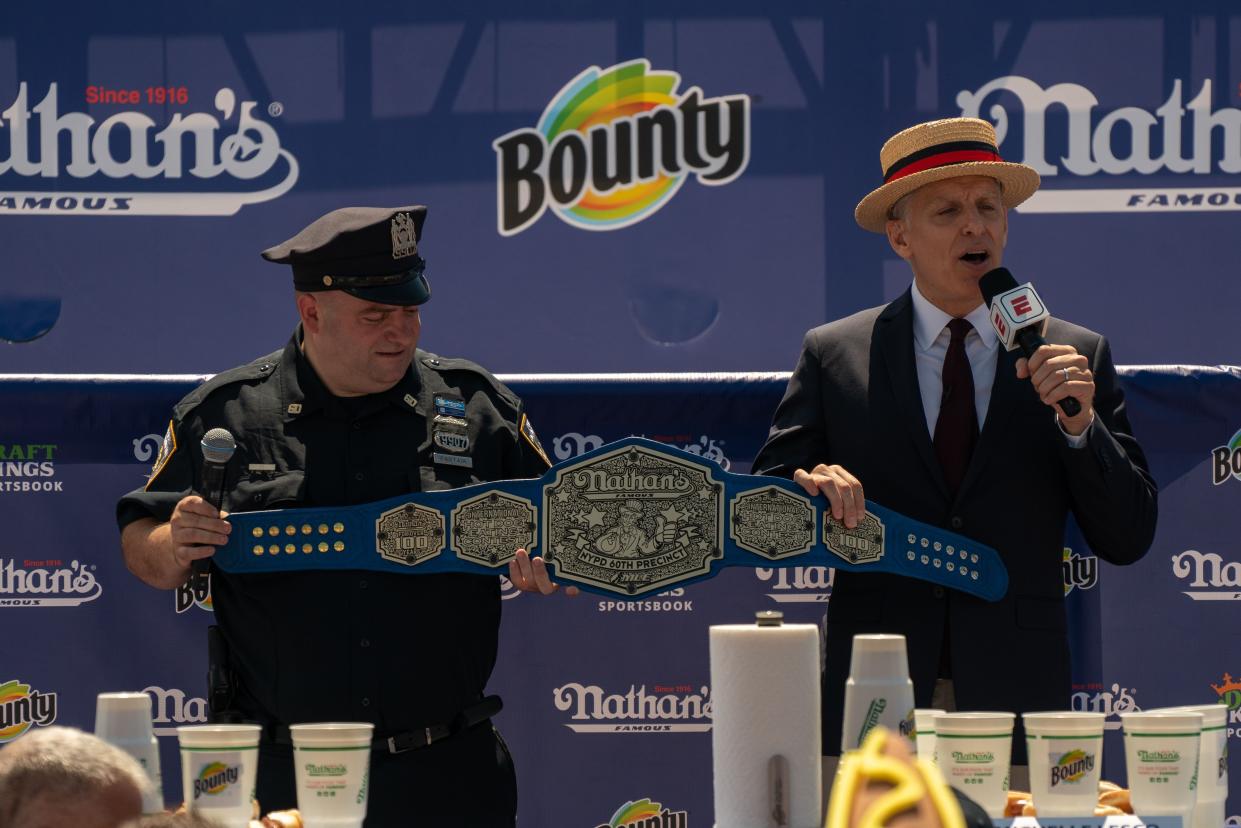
(956, 430)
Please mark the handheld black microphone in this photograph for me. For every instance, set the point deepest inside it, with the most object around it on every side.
(218, 447)
(1019, 318)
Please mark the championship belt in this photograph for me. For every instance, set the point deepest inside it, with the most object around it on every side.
(626, 519)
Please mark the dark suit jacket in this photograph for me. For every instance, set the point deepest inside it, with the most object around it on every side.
(854, 401)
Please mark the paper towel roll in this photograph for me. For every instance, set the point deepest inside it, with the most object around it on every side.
(765, 702)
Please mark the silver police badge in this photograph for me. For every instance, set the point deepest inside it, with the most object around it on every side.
(404, 238)
(490, 528)
(860, 545)
(632, 521)
(409, 534)
(772, 522)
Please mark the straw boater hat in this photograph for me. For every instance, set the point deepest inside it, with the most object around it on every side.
(937, 150)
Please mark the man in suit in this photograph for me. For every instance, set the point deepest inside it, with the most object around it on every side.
(918, 402)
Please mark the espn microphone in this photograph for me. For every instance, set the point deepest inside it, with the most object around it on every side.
(218, 447)
(1019, 318)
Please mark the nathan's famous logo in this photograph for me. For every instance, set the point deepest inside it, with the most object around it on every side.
(332, 770)
(1226, 461)
(1072, 767)
(663, 709)
(47, 583)
(1159, 755)
(1089, 142)
(171, 708)
(1080, 571)
(1230, 695)
(28, 467)
(22, 708)
(974, 757)
(798, 584)
(873, 714)
(195, 592)
(614, 145)
(1214, 578)
(125, 150)
(215, 778)
(646, 814)
(1111, 702)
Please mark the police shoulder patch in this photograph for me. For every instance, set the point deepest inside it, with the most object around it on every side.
(166, 449)
(527, 431)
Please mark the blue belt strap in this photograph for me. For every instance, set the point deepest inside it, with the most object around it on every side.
(626, 519)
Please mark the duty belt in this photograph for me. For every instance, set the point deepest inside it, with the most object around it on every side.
(629, 518)
(421, 737)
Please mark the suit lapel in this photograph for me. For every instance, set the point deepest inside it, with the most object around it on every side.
(894, 332)
(1005, 392)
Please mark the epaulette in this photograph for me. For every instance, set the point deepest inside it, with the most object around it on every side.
(445, 365)
(259, 368)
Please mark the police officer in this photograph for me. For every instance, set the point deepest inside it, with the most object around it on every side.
(349, 412)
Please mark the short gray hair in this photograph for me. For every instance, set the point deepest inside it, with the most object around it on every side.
(56, 763)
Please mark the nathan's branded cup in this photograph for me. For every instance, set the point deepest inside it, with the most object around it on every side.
(219, 766)
(924, 731)
(124, 720)
(973, 751)
(1065, 751)
(332, 762)
(878, 691)
(1161, 756)
(1212, 762)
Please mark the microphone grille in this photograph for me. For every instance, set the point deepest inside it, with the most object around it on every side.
(994, 282)
(218, 446)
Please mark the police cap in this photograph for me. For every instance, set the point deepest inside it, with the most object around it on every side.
(368, 252)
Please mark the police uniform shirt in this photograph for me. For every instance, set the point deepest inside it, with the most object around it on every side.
(401, 651)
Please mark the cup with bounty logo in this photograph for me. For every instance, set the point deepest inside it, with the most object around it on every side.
(332, 763)
(1065, 751)
(219, 767)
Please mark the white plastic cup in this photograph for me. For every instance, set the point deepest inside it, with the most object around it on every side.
(124, 721)
(1065, 752)
(878, 692)
(332, 763)
(973, 752)
(1212, 762)
(219, 768)
(1161, 756)
(924, 731)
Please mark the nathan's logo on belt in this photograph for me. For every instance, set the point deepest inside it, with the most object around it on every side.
(644, 813)
(28, 467)
(1210, 577)
(662, 709)
(47, 583)
(614, 145)
(22, 708)
(215, 778)
(126, 146)
(1093, 142)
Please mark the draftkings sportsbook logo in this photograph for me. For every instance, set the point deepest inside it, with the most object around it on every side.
(1210, 577)
(614, 145)
(1087, 141)
(28, 467)
(644, 813)
(1229, 692)
(662, 709)
(127, 166)
(22, 708)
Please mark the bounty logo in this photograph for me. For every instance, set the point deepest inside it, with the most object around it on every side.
(47, 583)
(1079, 571)
(1230, 695)
(195, 592)
(1110, 703)
(22, 708)
(1176, 138)
(798, 584)
(646, 814)
(665, 709)
(172, 708)
(614, 145)
(28, 467)
(133, 169)
(1071, 767)
(215, 778)
(1214, 578)
(1226, 461)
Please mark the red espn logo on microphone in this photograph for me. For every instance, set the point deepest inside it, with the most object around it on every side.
(1020, 305)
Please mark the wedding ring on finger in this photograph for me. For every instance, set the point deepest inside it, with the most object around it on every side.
(1065, 371)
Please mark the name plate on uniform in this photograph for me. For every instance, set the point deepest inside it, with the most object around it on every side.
(629, 518)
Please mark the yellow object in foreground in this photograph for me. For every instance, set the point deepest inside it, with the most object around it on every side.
(881, 780)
